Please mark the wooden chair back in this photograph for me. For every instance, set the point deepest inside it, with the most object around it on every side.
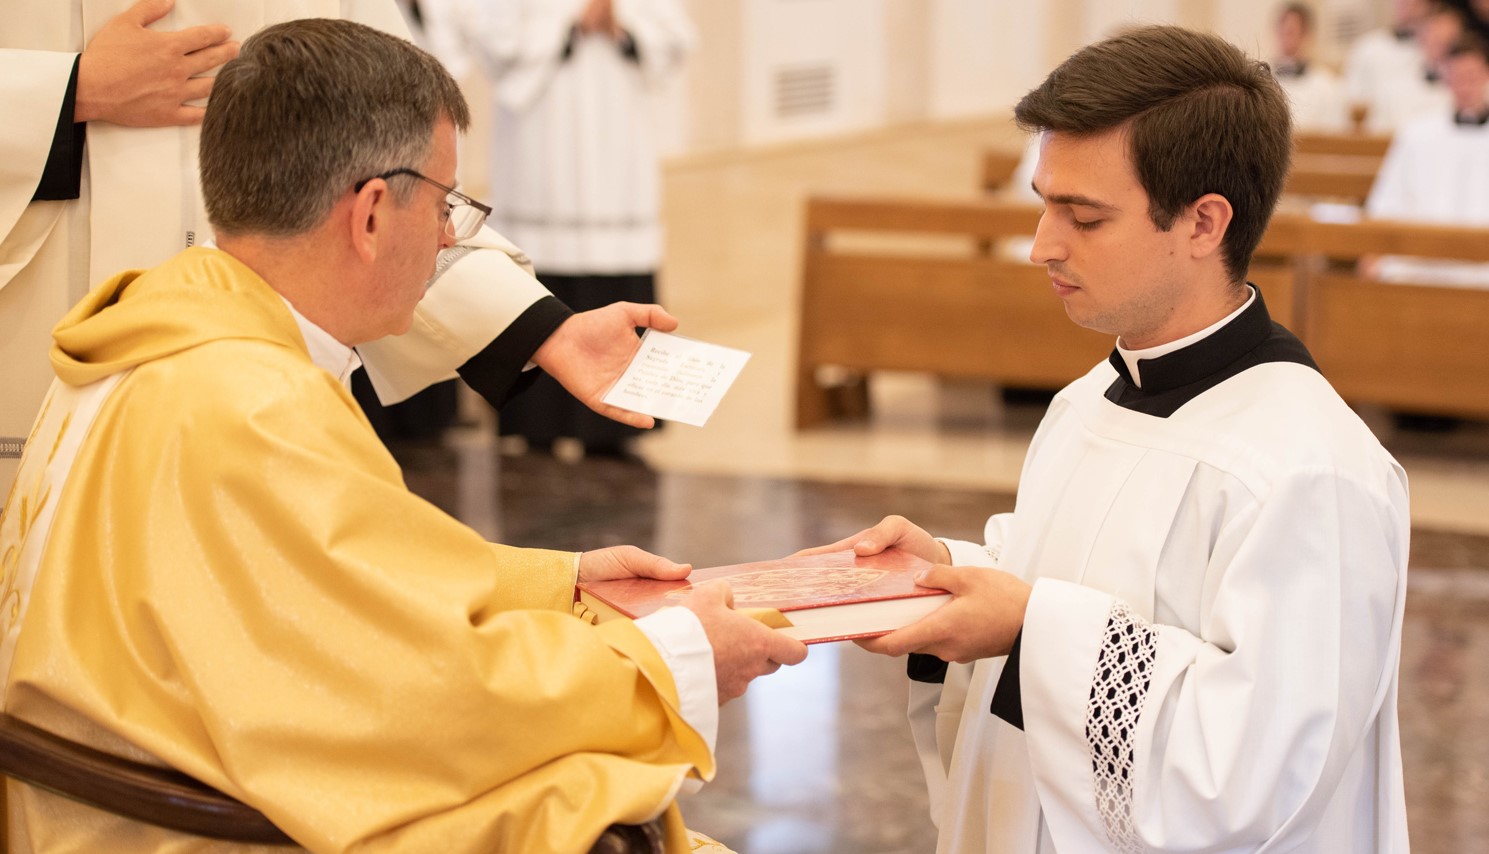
(166, 798)
(144, 793)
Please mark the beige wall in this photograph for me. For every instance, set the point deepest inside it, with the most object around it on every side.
(904, 61)
(713, 79)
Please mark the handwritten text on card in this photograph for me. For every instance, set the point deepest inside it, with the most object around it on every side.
(676, 378)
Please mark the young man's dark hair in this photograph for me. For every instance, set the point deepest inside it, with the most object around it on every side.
(1200, 117)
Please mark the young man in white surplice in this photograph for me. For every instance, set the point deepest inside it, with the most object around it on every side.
(1186, 635)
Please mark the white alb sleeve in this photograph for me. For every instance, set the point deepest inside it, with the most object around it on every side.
(679, 637)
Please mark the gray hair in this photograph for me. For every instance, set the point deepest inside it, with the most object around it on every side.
(307, 110)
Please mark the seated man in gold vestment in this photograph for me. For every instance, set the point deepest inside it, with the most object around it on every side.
(209, 561)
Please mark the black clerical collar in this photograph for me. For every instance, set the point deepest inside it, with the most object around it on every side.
(1174, 379)
(1478, 119)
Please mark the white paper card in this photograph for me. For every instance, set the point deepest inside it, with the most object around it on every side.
(676, 378)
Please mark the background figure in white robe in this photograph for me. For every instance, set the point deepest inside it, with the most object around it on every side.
(574, 169)
(98, 174)
(1380, 58)
(1314, 91)
(1437, 171)
(436, 27)
(1408, 95)
(1186, 635)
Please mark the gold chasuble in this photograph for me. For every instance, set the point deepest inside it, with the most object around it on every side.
(233, 580)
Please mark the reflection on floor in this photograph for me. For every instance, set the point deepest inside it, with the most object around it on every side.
(817, 758)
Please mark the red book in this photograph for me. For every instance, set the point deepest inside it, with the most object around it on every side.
(828, 597)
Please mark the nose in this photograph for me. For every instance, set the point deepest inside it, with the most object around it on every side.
(445, 239)
(1047, 246)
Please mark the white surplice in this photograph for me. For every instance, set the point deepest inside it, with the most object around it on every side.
(574, 171)
(1317, 99)
(1209, 656)
(141, 204)
(1437, 172)
(1384, 72)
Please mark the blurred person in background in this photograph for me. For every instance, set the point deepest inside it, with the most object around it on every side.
(1314, 91)
(1382, 56)
(574, 168)
(99, 174)
(1437, 170)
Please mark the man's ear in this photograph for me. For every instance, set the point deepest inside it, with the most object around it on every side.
(1210, 216)
(366, 217)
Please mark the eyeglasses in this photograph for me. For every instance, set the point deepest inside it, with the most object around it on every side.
(464, 215)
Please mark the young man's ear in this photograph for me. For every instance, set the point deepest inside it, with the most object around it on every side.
(365, 217)
(1210, 217)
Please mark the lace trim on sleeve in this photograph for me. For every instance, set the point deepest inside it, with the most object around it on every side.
(1118, 689)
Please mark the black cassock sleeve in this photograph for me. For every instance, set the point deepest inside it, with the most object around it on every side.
(496, 372)
(1007, 700)
(62, 178)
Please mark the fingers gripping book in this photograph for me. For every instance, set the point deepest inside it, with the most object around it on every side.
(814, 598)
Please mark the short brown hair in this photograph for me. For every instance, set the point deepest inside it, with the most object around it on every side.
(307, 109)
(1200, 117)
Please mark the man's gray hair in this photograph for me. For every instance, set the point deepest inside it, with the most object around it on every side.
(307, 110)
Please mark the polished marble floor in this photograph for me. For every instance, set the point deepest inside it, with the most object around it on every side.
(817, 758)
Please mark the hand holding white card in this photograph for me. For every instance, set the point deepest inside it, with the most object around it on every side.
(677, 378)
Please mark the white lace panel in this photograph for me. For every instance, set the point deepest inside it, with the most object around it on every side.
(1118, 690)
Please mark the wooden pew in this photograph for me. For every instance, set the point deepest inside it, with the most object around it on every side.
(1338, 167)
(1338, 177)
(1413, 348)
(971, 315)
(998, 168)
(1347, 144)
(965, 314)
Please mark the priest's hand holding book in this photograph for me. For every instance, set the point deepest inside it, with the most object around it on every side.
(743, 647)
(986, 611)
(628, 562)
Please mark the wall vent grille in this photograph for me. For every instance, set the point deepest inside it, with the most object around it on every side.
(805, 90)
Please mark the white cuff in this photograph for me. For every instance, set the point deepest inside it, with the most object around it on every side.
(964, 553)
(679, 637)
